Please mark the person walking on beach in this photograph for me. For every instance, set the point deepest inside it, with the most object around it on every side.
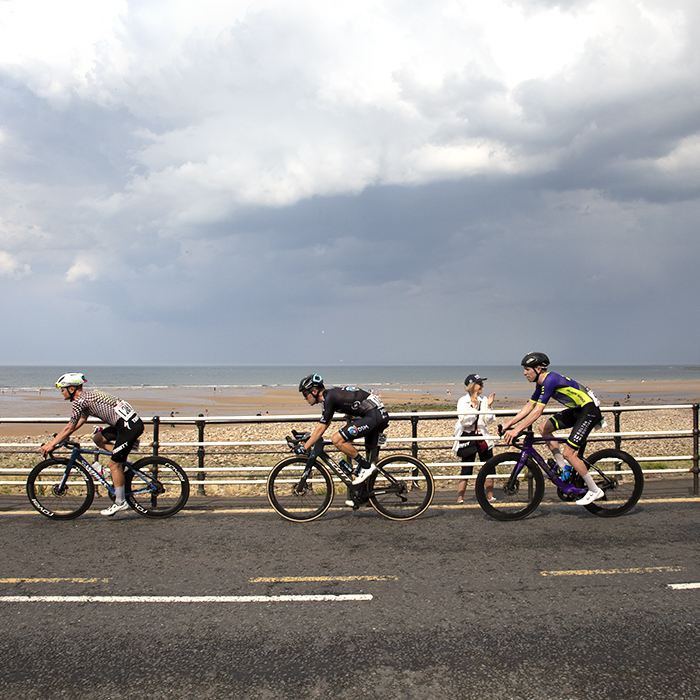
(474, 415)
(367, 409)
(581, 413)
(124, 428)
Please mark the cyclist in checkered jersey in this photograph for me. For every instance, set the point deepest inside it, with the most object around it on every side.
(123, 431)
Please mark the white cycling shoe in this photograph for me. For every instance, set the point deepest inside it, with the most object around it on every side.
(115, 508)
(590, 497)
(364, 474)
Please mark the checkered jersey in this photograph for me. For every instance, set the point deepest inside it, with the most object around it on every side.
(96, 403)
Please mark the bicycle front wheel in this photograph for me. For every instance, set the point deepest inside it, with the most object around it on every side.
(620, 476)
(53, 500)
(157, 488)
(296, 497)
(503, 496)
(402, 488)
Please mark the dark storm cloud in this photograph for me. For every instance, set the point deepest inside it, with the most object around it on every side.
(262, 182)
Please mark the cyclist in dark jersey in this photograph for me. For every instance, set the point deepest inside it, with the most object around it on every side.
(123, 431)
(581, 414)
(366, 409)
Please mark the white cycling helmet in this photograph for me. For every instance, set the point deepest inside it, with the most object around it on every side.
(70, 379)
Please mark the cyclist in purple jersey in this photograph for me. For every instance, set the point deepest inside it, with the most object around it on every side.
(581, 414)
(367, 409)
(123, 431)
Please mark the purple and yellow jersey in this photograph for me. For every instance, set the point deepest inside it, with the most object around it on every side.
(564, 390)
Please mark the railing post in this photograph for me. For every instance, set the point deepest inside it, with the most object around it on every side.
(696, 456)
(617, 438)
(414, 435)
(201, 476)
(156, 435)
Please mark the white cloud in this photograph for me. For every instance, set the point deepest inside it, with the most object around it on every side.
(200, 150)
(272, 102)
(84, 268)
(11, 267)
(682, 164)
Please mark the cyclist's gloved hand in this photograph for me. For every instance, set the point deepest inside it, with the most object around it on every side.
(300, 449)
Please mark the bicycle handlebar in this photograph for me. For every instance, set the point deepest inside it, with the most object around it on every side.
(72, 444)
(299, 438)
(527, 433)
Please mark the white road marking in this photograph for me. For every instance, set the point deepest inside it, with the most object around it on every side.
(683, 586)
(183, 598)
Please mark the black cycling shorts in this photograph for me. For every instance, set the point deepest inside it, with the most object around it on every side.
(367, 426)
(123, 436)
(582, 419)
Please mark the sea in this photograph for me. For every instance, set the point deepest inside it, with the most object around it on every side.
(29, 391)
(20, 378)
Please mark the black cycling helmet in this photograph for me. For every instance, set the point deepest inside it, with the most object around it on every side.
(309, 382)
(535, 359)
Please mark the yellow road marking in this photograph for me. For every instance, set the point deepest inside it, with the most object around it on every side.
(53, 580)
(298, 579)
(595, 572)
(225, 511)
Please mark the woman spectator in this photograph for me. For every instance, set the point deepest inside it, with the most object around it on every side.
(474, 414)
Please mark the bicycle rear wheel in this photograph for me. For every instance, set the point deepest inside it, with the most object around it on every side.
(516, 497)
(296, 498)
(161, 492)
(405, 492)
(620, 476)
(46, 495)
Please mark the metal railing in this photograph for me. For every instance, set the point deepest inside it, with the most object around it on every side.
(249, 460)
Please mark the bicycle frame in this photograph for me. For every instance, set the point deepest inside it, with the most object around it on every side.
(360, 491)
(77, 453)
(318, 452)
(528, 450)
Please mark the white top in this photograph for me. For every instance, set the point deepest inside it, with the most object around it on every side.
(468, 419)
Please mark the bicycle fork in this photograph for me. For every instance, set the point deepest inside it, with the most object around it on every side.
(522, 469)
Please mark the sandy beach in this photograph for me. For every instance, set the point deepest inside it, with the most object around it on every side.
(191, 402)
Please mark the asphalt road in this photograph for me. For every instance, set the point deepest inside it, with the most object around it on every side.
(461, 606)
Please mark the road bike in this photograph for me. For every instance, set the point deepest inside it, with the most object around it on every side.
(518, 481)
(63, 488)
(301, 488)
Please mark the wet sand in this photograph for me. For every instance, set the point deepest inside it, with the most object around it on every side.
(192, 402)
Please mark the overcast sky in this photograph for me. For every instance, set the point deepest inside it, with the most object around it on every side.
(315, 181)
